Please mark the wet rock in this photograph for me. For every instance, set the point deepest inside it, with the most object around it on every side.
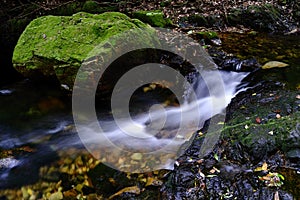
(259, 145)
(108, 181)
(231, 63)
(294, 154)
(235, 64)
(243, 146)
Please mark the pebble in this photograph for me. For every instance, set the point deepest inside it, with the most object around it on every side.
(278, 116)
(56, 196)
(137, 156)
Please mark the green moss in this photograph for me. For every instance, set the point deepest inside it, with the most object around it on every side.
(154, 18)
(254, 123)
(207, 34)
(59, 44)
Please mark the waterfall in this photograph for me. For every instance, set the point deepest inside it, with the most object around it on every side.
(158, 135)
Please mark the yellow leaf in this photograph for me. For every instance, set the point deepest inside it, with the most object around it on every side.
(274, 64)
(258, 169)
(153, 181)
(264, 166)
(146, 89)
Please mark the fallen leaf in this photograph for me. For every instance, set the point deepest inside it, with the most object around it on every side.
(153, 181)
(258, 120)
(210, 176)
(274, 64)
(133, 190)
(264, 167)
(216, 157)
(271, 132)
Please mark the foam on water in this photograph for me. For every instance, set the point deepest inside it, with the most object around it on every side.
(167, 128)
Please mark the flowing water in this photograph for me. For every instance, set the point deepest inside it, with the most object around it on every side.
(35, 121)
(160, 132)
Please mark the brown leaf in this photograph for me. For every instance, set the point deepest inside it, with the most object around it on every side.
(132, 189)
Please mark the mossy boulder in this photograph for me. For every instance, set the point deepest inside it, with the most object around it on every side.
(265, 120)
(264, 18)
(54, 47)
(154, 18)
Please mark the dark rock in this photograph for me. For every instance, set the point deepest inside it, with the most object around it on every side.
(108, 181)
(264, 18)
(230, 63)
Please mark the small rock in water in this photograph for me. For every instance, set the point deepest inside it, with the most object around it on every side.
(136, 156)
(274, 64)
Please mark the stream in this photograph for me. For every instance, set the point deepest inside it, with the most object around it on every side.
(41, 123)
(36, 120)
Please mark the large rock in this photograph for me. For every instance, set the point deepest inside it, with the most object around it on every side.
(54, 47)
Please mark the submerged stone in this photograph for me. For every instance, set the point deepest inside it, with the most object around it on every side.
(54, 47)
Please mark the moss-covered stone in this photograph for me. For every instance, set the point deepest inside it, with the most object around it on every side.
(261, 139)
(154, 18)
(56, 46)
(265, 18)
(265, 121)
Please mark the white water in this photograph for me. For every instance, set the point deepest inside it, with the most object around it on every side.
(162, 131)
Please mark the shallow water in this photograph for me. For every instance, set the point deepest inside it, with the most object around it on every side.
(264, 48)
